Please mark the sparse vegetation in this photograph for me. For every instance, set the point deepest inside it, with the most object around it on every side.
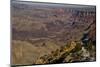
(74, 53)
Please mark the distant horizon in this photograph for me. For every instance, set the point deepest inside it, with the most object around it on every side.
(49, 4)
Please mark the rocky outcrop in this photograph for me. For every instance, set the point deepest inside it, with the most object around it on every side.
(72, 52)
